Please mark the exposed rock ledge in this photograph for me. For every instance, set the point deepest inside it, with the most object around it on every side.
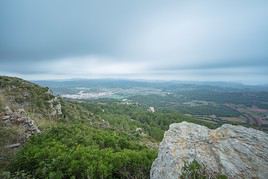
(235, 151)
(20, 117)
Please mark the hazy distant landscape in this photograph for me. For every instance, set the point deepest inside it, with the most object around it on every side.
(216, 103)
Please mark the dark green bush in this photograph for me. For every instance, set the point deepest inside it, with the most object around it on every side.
(16, 175)
(194, 170)
(79, 151)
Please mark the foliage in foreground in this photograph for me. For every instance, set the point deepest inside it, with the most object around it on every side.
(194, 170)
(78, 151)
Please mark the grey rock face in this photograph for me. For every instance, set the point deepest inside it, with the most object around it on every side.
(55, 106)
(235, 151)
(20, 117)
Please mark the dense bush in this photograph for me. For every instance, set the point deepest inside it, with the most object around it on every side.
(78, 151)
(195, 170)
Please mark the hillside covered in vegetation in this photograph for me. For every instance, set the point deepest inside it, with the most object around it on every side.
(43, 135)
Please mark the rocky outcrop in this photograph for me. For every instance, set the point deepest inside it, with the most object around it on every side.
(20, 117)
(55, 106)
(235, 151)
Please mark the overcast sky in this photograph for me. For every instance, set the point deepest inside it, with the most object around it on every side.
(204, 40)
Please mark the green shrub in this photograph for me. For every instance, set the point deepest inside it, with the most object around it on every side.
(194, 170)
(78, 151)
(16, 175)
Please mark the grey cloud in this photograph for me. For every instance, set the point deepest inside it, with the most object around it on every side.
(55, 29)
(150, 37)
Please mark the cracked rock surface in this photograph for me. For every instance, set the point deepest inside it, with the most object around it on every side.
(236, 151)
(19, 117)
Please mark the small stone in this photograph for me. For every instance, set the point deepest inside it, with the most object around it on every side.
(8, 110)
(151, 109)
(13, 145)
(5, 118)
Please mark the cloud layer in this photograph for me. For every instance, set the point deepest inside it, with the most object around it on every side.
(154, 39)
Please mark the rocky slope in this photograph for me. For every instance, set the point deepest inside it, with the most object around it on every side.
(20, 117)
(236, 151)
(25, 109)
(17, 94)
(22, 103)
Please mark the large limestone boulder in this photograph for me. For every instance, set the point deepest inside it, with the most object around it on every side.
(236, 151)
